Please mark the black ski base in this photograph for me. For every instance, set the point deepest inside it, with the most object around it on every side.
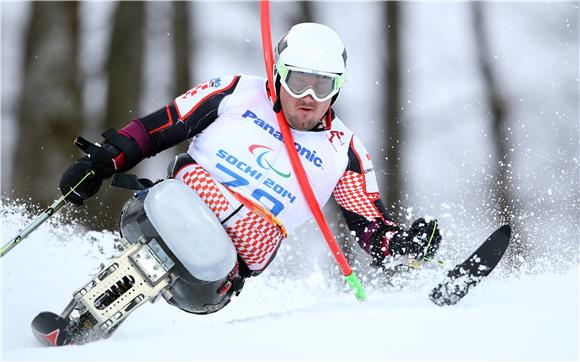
(469, 273)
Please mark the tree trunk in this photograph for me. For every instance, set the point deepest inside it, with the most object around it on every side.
(305, 12)
(392, 121)
(50, 106)
(183, 44)
(124, 69)
(503, 203)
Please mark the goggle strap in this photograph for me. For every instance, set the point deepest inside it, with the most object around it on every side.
(282, 70)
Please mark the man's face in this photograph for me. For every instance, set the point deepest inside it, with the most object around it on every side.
(303, 113)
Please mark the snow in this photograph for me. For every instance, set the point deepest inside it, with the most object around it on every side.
(299, 309)
(288, 315)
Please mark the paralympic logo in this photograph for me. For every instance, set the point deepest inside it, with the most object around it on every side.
(261, 153)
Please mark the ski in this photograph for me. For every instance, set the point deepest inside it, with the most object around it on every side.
(51, 329)
(468, 274)
(70, 328)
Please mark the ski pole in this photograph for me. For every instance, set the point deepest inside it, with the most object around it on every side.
(51, 210)
(350, 276)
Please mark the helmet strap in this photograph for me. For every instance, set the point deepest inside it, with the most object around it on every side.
(277, 105)
(328, 119)
(334, 98)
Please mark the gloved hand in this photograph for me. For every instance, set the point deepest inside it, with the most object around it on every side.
(420, 241)
(98, 159)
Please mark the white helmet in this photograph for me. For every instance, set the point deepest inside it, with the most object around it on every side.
(310, 49)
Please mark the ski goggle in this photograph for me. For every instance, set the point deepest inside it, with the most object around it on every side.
(320, 85)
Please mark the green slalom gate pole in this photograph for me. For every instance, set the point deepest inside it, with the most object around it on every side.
(51, 210)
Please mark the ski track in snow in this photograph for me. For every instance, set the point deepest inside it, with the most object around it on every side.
(276, 317)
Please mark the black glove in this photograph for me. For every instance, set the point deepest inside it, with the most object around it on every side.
(98, 159)
(420, 241)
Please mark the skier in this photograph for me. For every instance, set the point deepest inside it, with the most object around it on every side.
(238, 165)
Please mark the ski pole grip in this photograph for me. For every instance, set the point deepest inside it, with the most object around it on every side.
(84, 145)
(355, 284)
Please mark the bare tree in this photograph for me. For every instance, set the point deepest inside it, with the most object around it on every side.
(392, 121)
(50, 109)
(503, 203)
(183, 45)
(124, 72)
(305, 13)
